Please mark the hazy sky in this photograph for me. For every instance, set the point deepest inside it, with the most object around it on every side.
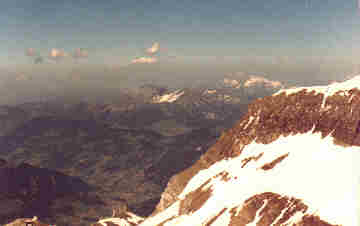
(118, 31)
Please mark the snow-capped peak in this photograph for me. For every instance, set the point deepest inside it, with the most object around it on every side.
(328, 90)
(287, 162)
(249, 81)
(231, 83)
(169, 97)
(341, 88)
(255, 80)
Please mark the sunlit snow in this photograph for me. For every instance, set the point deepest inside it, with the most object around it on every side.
(323, 175)
(327, 90)
(131, 220)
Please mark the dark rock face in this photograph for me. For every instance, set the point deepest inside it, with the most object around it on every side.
(31, 191)
(267, 119)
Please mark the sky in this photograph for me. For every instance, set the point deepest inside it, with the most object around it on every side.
(212, 32)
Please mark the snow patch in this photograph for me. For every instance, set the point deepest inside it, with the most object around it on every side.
(171, 211)
(323, 175)
(170, 97)
(129, 221)
(210, 91)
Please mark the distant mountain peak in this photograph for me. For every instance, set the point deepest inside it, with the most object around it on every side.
(341, 88)
(169, 97)
(259, 80)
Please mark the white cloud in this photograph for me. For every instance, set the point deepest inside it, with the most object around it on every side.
(154, 49)
(57, 53)
(146, 60)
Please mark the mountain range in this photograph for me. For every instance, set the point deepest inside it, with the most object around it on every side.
(125, 148)
(292, 159)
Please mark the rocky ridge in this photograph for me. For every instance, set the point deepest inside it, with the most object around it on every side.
(265, 170)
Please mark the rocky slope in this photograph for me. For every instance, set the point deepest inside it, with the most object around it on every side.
(291, 160)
